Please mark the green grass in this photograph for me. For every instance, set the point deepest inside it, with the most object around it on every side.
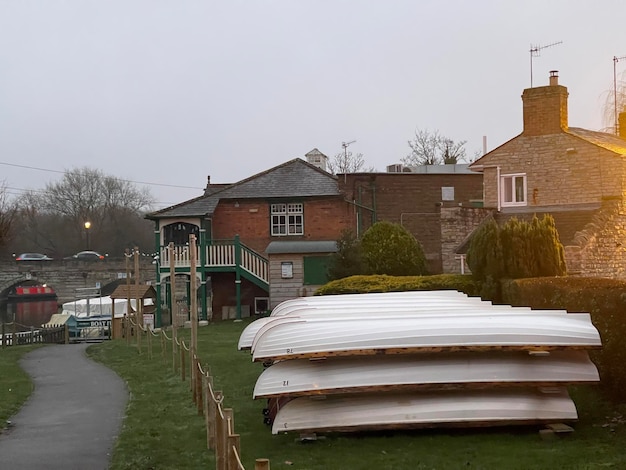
(15, 385)
(163, 430)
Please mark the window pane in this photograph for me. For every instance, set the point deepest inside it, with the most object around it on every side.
(519, 189)
(508, 189)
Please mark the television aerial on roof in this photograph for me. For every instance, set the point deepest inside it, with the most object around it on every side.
(535, 51)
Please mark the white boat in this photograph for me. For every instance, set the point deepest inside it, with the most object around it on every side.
(384, 298)
(299, 377)
(246, 339)
(466, 408)
(292, 337)
(100, 307)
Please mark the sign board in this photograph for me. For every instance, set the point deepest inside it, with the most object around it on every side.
(447, 193)
(148, 320)
(286, 269)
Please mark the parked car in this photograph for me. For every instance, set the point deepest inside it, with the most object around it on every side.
(87, 256)
(32, 257)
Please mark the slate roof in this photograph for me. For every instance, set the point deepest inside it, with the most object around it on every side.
(293, 179)
(601, 139)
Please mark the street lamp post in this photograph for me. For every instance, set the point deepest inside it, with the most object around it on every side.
(87, 227)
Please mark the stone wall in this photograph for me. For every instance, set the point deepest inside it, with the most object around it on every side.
(65, 277)
(456, 225)
(599, 250)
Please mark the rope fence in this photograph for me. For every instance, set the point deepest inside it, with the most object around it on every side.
(219, 421)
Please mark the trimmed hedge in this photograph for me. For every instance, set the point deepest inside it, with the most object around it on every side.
(384, 283)
(604, 299)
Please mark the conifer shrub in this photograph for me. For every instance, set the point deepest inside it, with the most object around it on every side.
(389, 248)
(348, 261)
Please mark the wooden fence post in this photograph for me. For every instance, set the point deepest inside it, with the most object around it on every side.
(220, 439)
(212, 412)
(233, 451)
(182, 364)
(262, 464)
(199, 389)
(149, 340)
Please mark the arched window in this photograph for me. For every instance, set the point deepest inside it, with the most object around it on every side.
(179, 232)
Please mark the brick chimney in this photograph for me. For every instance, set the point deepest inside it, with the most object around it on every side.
(545, 108)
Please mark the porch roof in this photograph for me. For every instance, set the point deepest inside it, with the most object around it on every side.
(300, 246)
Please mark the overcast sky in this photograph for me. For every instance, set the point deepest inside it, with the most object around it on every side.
(168, 92)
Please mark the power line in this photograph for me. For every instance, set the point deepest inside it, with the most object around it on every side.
(121, 179)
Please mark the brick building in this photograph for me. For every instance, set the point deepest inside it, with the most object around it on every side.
(259, 241)
(577, 175)
(415, 198)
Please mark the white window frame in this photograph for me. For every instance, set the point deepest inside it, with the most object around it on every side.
(512, 200)
(287, 219)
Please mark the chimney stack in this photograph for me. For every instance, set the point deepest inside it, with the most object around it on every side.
(545, 108)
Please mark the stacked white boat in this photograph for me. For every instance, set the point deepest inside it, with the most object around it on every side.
(417, 359)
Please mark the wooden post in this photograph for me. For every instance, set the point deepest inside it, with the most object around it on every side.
(262, 464)
(182, 363)
(149, 338)
(4, 338)
(138, 312)
(199, 399)
(212, 412)
(193, 294)
(233, 451)
(66, 333)
(174, 305)
(128, 307)
(205, 403)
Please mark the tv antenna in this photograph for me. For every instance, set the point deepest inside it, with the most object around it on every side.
(535, 51)
(345, 147)
(615, 61)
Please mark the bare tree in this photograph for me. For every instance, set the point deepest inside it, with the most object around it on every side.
(54, 219)
(431, 148)
(614, 100)
(347, 162)
(8, 210)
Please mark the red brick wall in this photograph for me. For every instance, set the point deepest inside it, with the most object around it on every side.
(324, 219)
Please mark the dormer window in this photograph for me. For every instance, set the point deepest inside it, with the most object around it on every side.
(513, 190)
(287, 219)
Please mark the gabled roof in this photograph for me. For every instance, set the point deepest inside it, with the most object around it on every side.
(604, 140)
(295, 178)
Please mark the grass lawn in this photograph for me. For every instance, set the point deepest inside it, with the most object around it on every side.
(163, 430)
(15, 385)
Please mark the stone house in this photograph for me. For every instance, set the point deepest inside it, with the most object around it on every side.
(576, 175)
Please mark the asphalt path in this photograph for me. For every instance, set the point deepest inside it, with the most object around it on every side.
(71, 419)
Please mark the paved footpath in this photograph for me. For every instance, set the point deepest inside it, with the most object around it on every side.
(71, 419)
